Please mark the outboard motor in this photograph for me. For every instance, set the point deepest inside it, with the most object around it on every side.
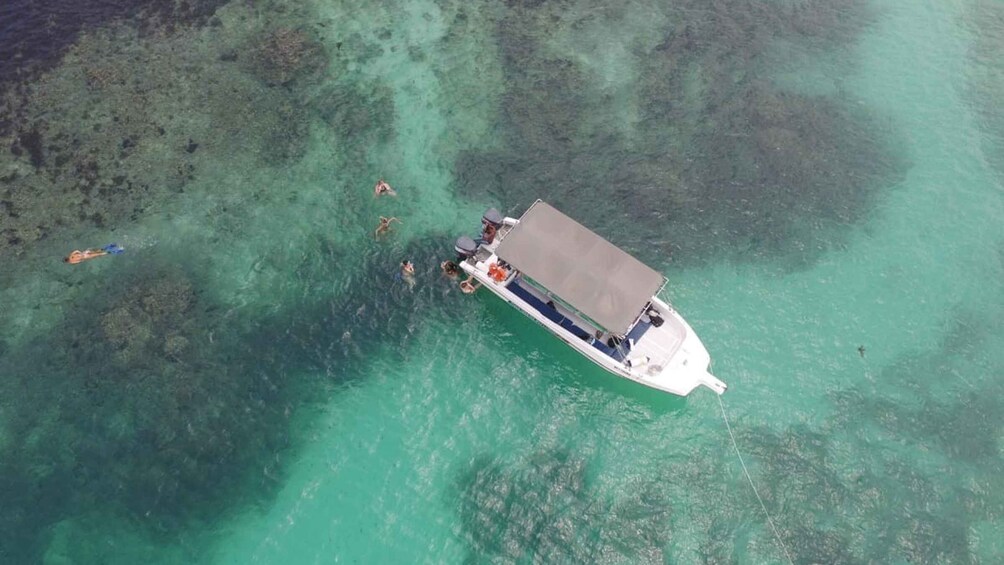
(465, 248)
(492, 217)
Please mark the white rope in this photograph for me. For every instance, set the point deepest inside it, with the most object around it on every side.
(750, 479)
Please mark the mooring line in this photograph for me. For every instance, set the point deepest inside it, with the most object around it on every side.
(750, 479)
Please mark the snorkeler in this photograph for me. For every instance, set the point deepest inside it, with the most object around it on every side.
(384, 226)
(407, 269)
(80, 256)
(450, 269)
(469, 285)
(407, 274)
(382, 188)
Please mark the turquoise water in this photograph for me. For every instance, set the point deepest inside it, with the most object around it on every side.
(249, 383)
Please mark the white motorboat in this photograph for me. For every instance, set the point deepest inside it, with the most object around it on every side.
(592, 295)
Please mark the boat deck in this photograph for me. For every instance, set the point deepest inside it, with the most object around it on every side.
(660, 344)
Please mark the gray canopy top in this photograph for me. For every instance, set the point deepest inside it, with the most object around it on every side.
(581, 268)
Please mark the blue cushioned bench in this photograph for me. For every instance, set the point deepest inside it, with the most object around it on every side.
(639, 330)
(553, 315)
(548, 312)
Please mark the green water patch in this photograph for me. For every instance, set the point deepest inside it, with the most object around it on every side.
(530, 454)
(714, 159)
(946, 397)
(985, 73)
(426, 419)
(902, 465)
(544, 509)
(168, 409)
(105, 538)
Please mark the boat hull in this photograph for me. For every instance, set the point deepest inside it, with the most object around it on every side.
(670, 358)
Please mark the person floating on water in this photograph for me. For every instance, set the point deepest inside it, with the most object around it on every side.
(407, 269)
(384, 226)
(79, 256)
(407, 273)
(450, 269)
(469, 285)
(382, 188)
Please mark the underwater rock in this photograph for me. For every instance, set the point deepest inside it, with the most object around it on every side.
(31, 141)
(543, 511)
(287, 54)
(175, 345)
(149, 315)
(362, 113)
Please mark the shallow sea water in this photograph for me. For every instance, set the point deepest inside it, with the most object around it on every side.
(249, 383)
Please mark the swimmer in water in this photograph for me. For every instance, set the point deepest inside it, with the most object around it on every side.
(80, 256)
(450, 269)
(407, 274)
(382, 188)
(384, 226)
(469, 285)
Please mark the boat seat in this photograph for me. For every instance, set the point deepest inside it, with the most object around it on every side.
(612, 351)
(548, 312)
(638, 330)
(553, 315)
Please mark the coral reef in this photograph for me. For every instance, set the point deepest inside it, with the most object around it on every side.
(361, 114)
(116, 131)
(148, 320)
(34, 39)
(544, 511)
(755, 170)
(286, 54)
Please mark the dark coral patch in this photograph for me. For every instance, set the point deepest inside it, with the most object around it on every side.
(720, 161)
(543, 510)
(36, 36)
(287, 54)
(31, 141)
